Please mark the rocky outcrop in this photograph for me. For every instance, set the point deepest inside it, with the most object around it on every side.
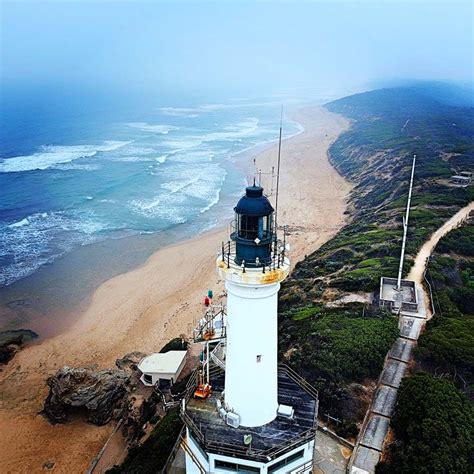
(100, 393)
(12, 341)
(130, 361)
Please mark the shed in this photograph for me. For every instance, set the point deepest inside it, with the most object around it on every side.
(461, 180)
(162, 367)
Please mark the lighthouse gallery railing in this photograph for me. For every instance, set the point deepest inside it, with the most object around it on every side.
(220, 447)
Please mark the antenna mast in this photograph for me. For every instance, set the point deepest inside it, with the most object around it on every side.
(278, 171)
(405, 227)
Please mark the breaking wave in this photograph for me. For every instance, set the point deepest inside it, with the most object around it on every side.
(51, 155)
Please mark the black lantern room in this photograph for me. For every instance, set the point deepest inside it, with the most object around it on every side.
(253, 234)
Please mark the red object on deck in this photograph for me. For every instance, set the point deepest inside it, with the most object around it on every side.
(203, 390)
(206, 301)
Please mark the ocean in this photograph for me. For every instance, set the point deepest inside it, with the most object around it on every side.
(70, 181)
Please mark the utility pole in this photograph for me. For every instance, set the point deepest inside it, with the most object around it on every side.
(405, 227)
(278, 171)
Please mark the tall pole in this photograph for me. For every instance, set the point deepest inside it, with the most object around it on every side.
(278, 170)
(207, 359)
(405, 226)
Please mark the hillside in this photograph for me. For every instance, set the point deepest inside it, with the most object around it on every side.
(434, 412)
(388, 127)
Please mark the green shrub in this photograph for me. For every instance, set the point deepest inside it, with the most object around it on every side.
(151, 457)
(434, 428)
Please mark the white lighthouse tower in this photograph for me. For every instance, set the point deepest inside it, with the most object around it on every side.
(259, 416)
(252, 298)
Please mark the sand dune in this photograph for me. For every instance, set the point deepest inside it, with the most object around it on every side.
(142, 309)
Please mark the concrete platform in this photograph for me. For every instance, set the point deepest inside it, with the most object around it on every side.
(366, 459)
(330, 457)
(411, 327)
(393, 373)
(384, 400)
(401, 349)
(375, 432)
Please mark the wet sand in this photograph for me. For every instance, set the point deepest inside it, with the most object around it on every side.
(144, 308)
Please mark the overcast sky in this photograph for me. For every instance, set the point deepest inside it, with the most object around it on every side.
(261, 46)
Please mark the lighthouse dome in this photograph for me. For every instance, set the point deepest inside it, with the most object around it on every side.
(254, 203)
(253, 228)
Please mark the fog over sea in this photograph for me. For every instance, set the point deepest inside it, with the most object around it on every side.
(68, 183)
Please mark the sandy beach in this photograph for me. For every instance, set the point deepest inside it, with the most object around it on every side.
(143, 309)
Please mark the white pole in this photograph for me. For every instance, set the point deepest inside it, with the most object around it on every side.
(405, 227)
(207, 361)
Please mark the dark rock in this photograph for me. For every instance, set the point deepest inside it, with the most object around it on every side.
(130, 361)
(12, 341)
(48, 465)
(100, 393)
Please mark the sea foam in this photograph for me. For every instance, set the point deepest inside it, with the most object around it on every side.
(51, 155)
(147, 127)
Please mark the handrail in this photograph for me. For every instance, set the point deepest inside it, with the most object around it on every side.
(172, 455)
(433, 309)
(223, 448)
(277, 259)
(232, 450)
(189, 451)
(306, 467)
(217, 355)
(304, 384)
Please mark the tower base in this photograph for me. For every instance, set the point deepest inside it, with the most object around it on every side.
(284, 445)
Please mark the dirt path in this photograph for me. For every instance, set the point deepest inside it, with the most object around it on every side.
(418, 268)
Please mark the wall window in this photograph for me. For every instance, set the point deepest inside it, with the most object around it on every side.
(259, 358)
(147, 378)
(284, 462)
(234, 467)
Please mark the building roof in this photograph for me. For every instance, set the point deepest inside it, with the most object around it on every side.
(166, 363)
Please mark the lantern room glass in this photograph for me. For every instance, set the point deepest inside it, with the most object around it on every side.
(252, 227)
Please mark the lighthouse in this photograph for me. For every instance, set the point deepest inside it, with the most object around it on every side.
(257, 415)
(252, 276)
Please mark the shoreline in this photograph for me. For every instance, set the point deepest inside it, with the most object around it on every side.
(144, 308)
(73, 278)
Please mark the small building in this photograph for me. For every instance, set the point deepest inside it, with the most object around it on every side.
(162, 368)
(464, 178)
(394, 299)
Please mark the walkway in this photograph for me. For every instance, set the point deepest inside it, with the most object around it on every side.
(375, 427)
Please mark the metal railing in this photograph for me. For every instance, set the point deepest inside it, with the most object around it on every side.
(181, 443)
(174, 451)
(277, 256)
(218, 355)
(303, 383)
(219, 447)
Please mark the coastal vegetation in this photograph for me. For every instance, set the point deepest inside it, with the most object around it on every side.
(337, 349)
(434, 417)
(152, 455)
(447, 345)
(388, 127)
(433, 426)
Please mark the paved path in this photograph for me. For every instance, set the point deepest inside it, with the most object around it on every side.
(370, 443)
(376, 423)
